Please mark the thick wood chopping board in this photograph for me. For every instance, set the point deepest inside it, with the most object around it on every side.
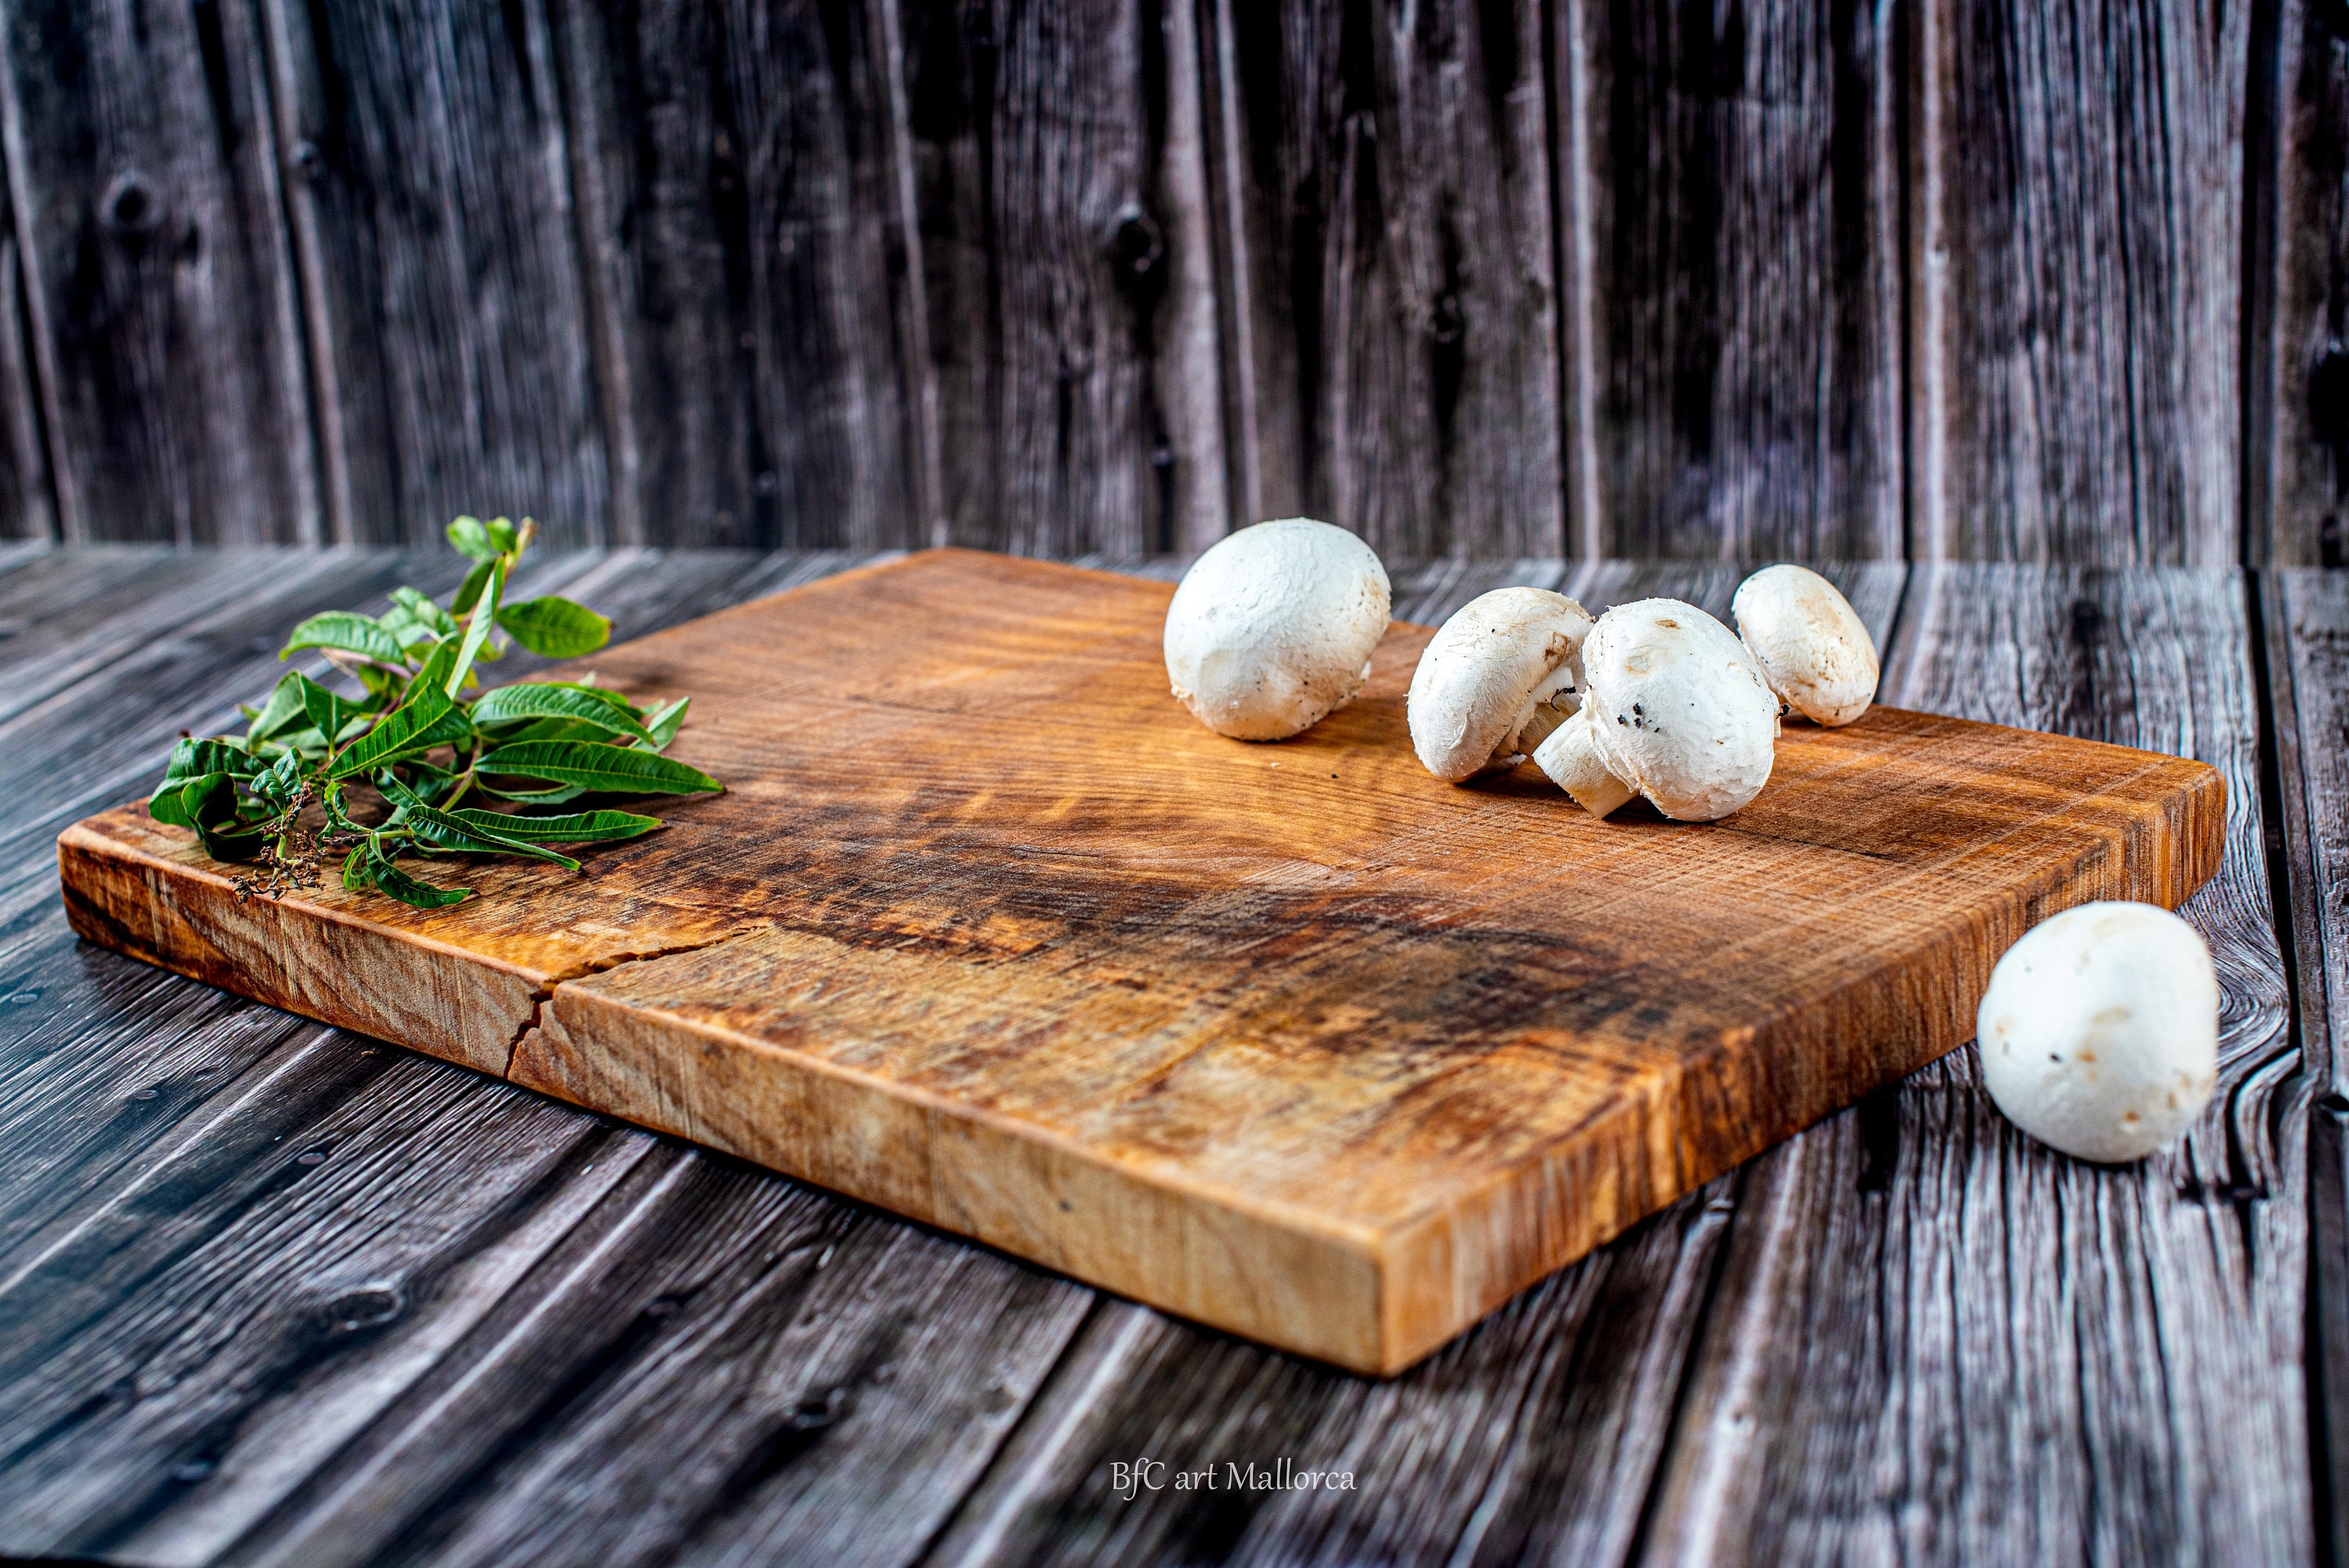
(1292, 1040)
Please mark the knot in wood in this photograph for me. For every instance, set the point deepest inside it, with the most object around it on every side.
(368, 1306)
(1137, 244)
(131, 204)
(1445, 322)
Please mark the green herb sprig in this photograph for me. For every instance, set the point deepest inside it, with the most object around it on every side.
(283, 794)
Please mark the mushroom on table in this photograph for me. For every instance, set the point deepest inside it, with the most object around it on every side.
(2099, 1030)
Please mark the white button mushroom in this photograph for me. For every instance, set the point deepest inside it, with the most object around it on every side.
(1673, 709)
(2099, 1032)
(1813, 647)
(1273, 628)
(1495, 680)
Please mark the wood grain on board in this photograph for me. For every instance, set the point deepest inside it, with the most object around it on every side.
(1730, 226)
(1285, 1038)
(2076, 245)
(159, 281)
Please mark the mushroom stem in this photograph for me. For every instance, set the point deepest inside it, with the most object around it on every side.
(1571, 758)
(1549, 704)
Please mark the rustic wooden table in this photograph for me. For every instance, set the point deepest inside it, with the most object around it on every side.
(272, 1292)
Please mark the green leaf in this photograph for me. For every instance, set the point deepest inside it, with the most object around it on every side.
(663, 724)
(444, 832)
(555, 628)
(408, 730)
(192, 757)
(405, 629)
(434, 670)
(469, 591)
(358, 872)
(282, 708)
(279, 783)
(341, 629)
(210, 804)
(501, 534)
(532, 699)
(427, 780)
(329, 712)
(331, 798)
(470, 537)
(556, 730)
(425, 613)
(555, 797)
(171, 805)
(408, 890)
(478, 628)
(601, 694)
(579, 828)
(620, 770)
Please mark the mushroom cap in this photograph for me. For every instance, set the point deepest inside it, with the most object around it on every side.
(1274, 626)
(2099, 1032)
(1476, 683)
(1679, 708)
(1813, 647)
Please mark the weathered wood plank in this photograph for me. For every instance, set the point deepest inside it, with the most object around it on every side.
(1533, 1434)
(2306, 617)
(1729, 186)
(158, 283)
(429, 203)
(27, 504)
(2075, 257)
(77, 610)
(2296, 466)
(1063, 268)
(2115, 1353)
(227, 1305)
(718, 1365)
(750, 287)
(1386, 219)
(18, 552)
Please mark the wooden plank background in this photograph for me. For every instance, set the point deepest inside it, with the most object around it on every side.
(1855, 279)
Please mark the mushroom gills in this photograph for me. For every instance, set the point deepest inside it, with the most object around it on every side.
(1547, 707)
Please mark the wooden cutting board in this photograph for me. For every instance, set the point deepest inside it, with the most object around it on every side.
(1291, 1038)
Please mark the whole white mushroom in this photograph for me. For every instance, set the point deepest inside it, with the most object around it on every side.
(1273, 628)
(2099, 1032)
(1673, 708)
(1812, 645)
(1495, 679)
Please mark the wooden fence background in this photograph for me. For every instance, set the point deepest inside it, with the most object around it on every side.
(2023, 280)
